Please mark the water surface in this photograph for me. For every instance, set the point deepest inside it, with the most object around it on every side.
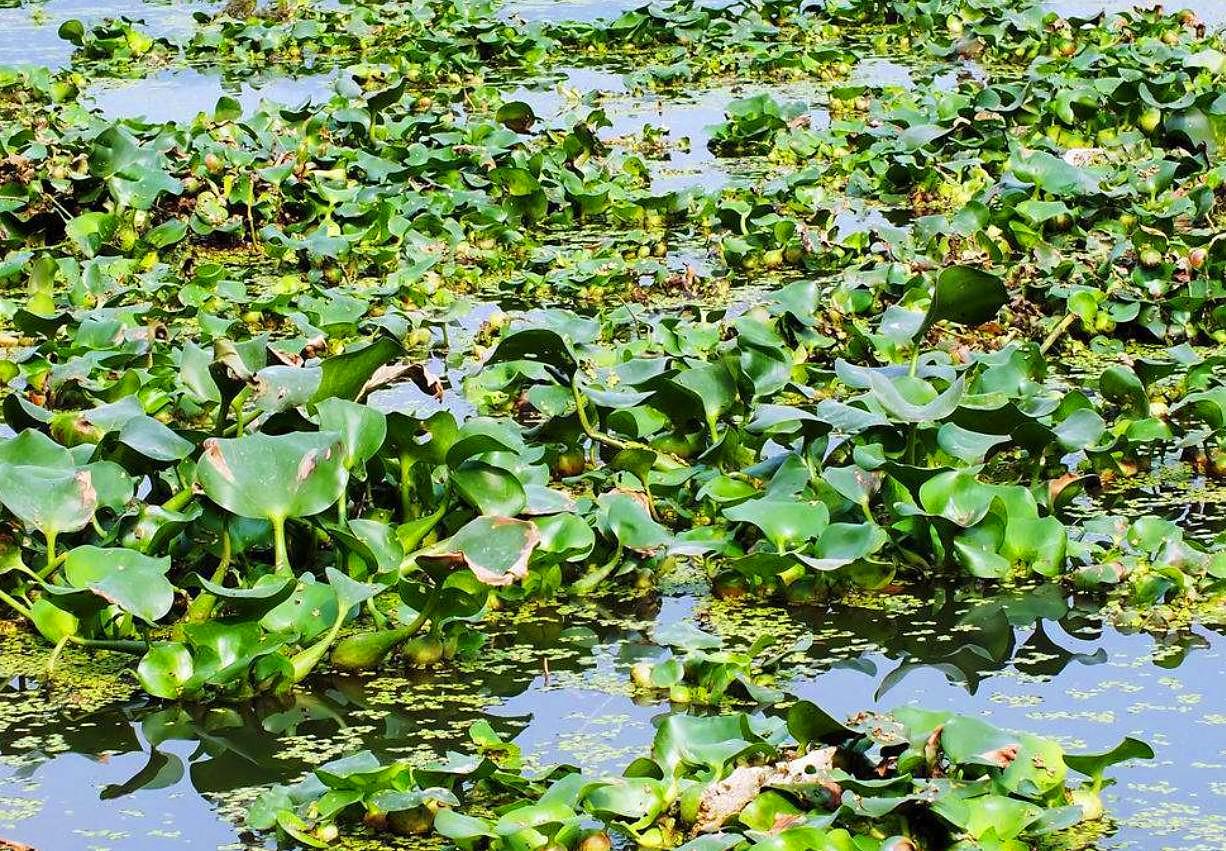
(139, 775)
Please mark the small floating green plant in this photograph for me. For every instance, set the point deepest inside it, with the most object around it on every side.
(908, 780)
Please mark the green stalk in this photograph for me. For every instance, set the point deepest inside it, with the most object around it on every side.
(651, 501)
(178, 501)
(55, 655)
(1057, 332)
(136, 648)
(377, 616)
(587, 583)
(223, 410)
(791, 574)
(51, 535)
(421, 528)
(914, 558)
(406, 487)
(21, 608)
(305, 660)
(364, 651)
(240, 399)
(342, 520)
(202, 607)
(664, 460)
(427, 612)
(278, 538)
(121, 646)
(51, 565)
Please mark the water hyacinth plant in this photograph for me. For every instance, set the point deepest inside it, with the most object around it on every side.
(906, 780)
(328, 387)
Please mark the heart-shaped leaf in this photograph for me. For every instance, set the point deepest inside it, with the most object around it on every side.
(495, 549)
(134, 582)
(274, 477)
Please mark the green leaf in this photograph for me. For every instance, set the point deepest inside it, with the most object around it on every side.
(540, 345)
(135, 583)
(809, 724)
(627, 519)
(685, 636)
(853, 483)
(1054, 175)
(899, 398)
(1081, 429)
(489, 489)
(345, 375)
(266, 594)
(1120, 385)
(1093, 765)
(964, 295)
(350, 592)
(274, 477)
(165, 670)
(495, 549)
(135, 175)
(711, 386)
(90, 231)
(362, 429)
(52, 622)
(566, 536)
(154, 440)
(957, 496)
(517, 182)
(785, 523)
(516, 115)
(47, 499)
(967, 446)
(1026, 765)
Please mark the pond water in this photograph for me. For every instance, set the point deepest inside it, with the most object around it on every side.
(135, 775)
(79, 770)
(179, 95)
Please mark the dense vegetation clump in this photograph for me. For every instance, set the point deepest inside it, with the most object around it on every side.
(323, 385)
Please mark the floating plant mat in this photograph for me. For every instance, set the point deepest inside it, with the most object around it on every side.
(614, 391)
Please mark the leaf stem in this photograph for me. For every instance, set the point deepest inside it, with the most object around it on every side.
(51, 561)
(51, 566)
(587, 583)
(179, 500)
(1057, 332)
(55, 655)
(609, 440)
(21, 608)
(305, 660)
(279, 548)
(377, 616)
(406, 486)
(427, 611)
(202, 607)
(137, 648)
(422, 527)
